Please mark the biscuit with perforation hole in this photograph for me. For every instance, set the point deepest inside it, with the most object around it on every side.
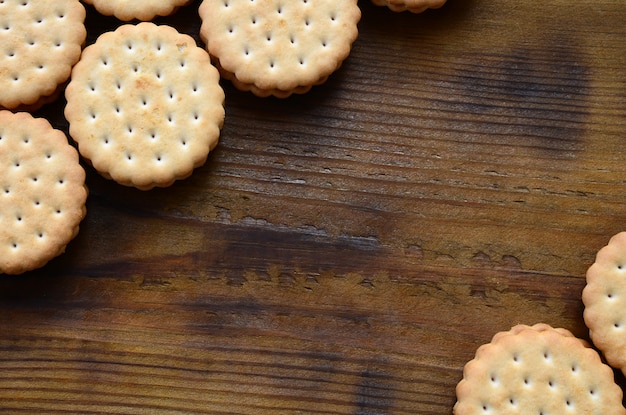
(413, 6)
(604, 297)
(144, 105)
(42, 192)
(537, 370)
(277, 47)
(40, 41)
(145, 10)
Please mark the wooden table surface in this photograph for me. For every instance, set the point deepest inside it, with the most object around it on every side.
(344, 251)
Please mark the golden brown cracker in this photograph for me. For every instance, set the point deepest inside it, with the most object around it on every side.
(42, 192)
(273, 47)
(144, 105)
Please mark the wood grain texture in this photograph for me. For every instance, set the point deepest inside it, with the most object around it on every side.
(344, 251)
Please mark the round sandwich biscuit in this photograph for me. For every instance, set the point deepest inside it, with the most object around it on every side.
(145, 10)
(537, 370)
(413, 6)
(273, 47)
(40, 41)
(42, 192)
(604, 298)
(144, 105)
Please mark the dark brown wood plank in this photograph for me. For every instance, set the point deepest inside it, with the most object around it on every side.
(344, 251)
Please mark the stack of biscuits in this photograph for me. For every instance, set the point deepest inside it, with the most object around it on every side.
(145, 108)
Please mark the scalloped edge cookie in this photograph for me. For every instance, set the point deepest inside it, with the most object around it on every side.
(278, 48)
(537, 370)
(39, 43)
(413, 6)
(127, 10)
(42, 192)
(604, 297)
(144, 105)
